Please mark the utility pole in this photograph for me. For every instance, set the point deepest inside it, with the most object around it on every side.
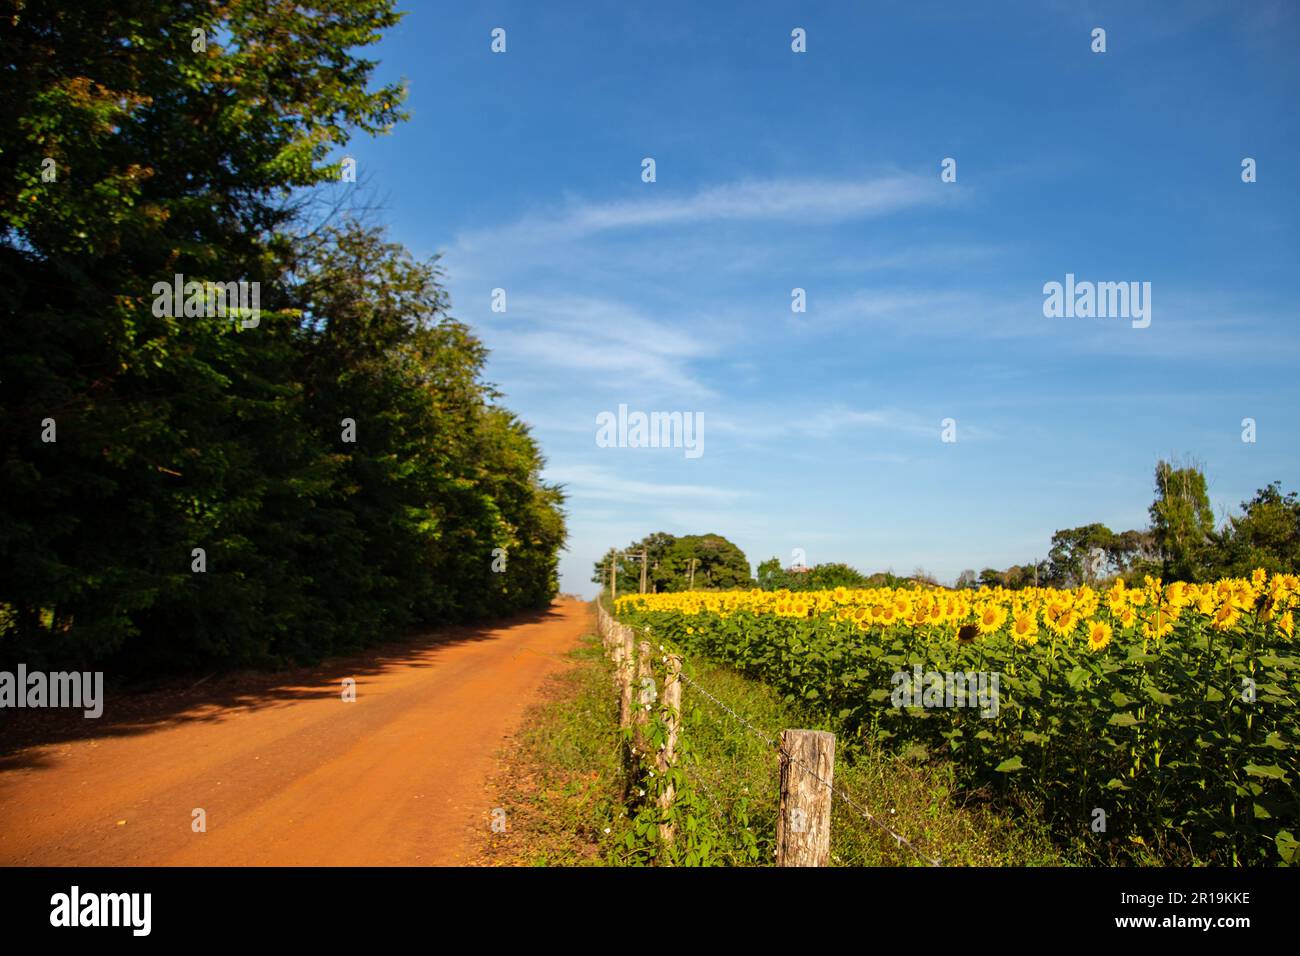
(644, 569)
(613, 576)
(691, 585)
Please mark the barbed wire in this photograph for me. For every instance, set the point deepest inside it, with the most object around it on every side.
(768, 739)
(771, 741)
(866, 814)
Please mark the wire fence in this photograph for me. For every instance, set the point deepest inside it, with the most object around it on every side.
(773, 742)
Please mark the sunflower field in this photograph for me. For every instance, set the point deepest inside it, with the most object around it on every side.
(1161, 717)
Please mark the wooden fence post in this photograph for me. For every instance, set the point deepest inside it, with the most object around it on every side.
(803, 829)
(672, 711)
(643, 673)
(614, 644)
(625, 676)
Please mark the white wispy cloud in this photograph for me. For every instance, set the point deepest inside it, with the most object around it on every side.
(601, 337)
(812, 201)
(824, 422)
(593, 482)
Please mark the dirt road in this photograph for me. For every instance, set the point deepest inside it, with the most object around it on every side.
(285, 771)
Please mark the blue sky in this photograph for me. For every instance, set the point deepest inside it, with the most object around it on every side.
(821, 170)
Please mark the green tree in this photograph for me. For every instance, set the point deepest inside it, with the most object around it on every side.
(833, 574)
(1265, 535)
(176, 432)
(1079, 555)
(1181, 521)
(718, 564)
(721, 565)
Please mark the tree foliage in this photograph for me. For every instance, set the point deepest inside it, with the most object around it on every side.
(177, 433)
(1181, 520)
(717, 564)
(773, 577)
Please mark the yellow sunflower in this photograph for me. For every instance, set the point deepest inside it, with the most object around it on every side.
(1024, 628)
(991, 617)
(1099, 633)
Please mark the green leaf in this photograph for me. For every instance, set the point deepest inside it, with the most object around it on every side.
(1010, 765)
(1271, 771)
(1286, 845)
(1159, 696)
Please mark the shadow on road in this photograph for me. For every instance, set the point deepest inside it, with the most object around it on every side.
(128, 712)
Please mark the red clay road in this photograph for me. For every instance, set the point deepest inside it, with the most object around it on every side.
(287, 772)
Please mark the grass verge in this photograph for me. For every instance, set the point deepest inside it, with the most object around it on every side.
(560, 778)
(561, 785)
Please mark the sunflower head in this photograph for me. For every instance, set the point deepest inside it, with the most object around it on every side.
(1099, 634)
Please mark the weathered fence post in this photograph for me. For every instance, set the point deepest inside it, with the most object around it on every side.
(803, 829)
(615, 648)
(625, 676)
(672, 711)
(643, 674)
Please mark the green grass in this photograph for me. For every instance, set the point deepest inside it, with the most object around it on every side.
(562, 784)
(561, 778)
(736, 770)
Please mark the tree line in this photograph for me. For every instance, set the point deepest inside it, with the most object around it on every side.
(181, 489)
(702, 562)
(1181, 543)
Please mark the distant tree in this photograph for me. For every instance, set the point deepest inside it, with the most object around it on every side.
(1078, 555)
(1133, 553)
(834, 574)
(771, 576)
(1018, 576)
(718, 564)
(1181, 521)
(884, 579)
(922, 576)
(1266, 535)
(660, 576)
(967, 579)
